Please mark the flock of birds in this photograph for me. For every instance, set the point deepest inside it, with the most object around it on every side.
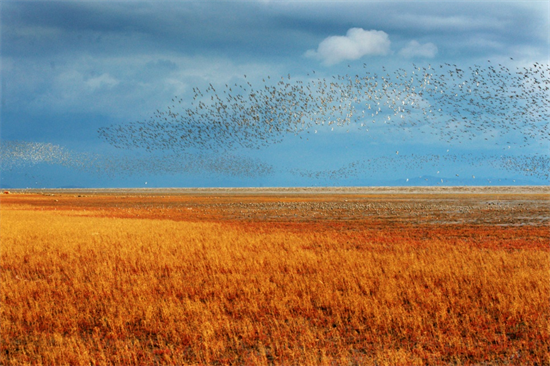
(453, 103)
(491, 104)
(536, 165)
(15, 154)
(20, 154)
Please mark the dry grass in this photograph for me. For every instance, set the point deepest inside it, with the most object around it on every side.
(83, 283)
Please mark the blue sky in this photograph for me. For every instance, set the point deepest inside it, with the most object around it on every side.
(73, 69)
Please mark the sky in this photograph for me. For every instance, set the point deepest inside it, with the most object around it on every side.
(80, 78)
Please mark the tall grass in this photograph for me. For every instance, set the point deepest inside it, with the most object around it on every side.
(94, 290)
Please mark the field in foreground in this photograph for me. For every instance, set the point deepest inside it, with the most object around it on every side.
(274, 279)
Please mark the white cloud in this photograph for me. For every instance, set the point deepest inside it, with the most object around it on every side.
(355, 44)
(105, 80)
(415, 49)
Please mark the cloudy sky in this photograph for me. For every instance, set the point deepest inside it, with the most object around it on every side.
(70, 70)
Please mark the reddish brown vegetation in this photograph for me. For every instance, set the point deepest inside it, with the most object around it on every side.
(275, 280)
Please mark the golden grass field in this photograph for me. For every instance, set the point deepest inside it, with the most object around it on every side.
(253, 279)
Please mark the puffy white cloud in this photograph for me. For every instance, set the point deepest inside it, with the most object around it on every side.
(415, 49)
(355, 44)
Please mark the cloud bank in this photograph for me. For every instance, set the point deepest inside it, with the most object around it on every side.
(355, 44)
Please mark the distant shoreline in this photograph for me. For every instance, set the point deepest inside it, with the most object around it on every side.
(295, 190)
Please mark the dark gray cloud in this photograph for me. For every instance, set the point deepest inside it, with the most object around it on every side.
(250, 28)
(189, 28)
